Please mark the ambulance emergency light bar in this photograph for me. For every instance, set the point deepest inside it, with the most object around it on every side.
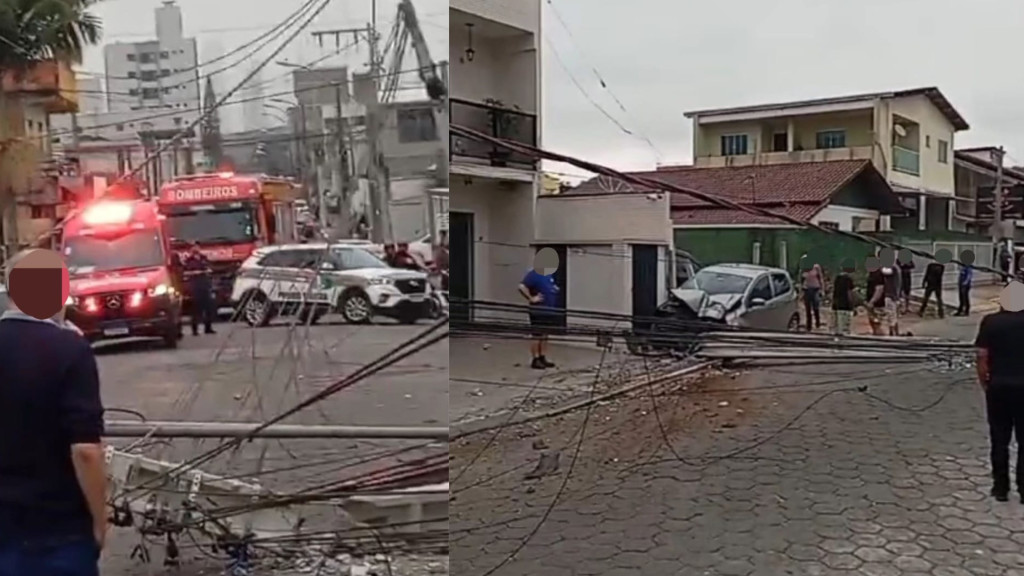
(105, 213)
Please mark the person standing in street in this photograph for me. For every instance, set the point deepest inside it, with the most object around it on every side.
(875, 295)
(843, 296)
(1000, 367)
(932, 284)
(893, 290)
(199, 277)
(963, 284)
(905, 262)
(541, 291)
(53, 480)
(813, 282)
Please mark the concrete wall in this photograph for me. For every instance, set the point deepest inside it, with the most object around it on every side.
(611, 218)
(857, 124)
(600, 280)
(844, 216)
(935, 176)
(524, 15)
(503, 235)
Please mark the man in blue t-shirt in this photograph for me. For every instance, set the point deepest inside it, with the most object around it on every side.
(542, 293)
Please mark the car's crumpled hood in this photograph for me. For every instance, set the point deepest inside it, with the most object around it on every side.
(706, 306)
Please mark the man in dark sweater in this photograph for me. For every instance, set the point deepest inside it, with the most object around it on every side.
(933, 284)
(52, 472)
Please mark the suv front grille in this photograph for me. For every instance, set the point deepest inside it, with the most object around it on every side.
(411, 286)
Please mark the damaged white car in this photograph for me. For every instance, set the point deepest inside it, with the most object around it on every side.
(743, 295)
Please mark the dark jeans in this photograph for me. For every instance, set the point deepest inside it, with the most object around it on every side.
(965, 300)
(1005, 407)
(812, 307)
(56, 556)
(204, 307)
(937, 292)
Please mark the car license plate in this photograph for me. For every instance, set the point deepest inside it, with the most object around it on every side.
(122, 331)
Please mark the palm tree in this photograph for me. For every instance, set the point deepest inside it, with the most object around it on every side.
(32, 31)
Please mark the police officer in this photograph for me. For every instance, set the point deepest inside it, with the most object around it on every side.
(200, 283)
(1000, 369)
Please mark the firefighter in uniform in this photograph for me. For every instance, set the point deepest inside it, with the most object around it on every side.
(199, 278)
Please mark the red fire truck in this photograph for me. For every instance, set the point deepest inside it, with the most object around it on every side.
(120, 266)
(228, 216)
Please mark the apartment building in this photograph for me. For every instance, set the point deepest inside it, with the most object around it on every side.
(152, 87)
(31, 199)
(909, 135)
(495, 89)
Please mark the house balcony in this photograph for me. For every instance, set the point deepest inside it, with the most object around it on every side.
(50, 83)
(906, 161)
(497, 122)
(797, 156)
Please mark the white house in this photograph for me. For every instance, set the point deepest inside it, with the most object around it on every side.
(495, 89)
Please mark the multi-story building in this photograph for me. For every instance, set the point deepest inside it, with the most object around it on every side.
(496, 90)
(30, 198)
(908, 135)
(152, 86)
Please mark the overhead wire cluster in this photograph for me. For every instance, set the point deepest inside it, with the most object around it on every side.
(685, 330)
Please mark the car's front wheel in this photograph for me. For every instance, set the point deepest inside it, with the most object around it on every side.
(256, 309)
(356, 308)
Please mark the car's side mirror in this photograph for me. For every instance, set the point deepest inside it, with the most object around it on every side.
(327, 266)
(755, 302)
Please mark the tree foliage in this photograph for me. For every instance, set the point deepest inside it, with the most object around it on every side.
(35, 30)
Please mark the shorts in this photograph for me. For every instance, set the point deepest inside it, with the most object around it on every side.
(905, 285)
(892, 312)
(545, 322)
(878, 315)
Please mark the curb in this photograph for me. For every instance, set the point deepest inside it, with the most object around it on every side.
(513, 417)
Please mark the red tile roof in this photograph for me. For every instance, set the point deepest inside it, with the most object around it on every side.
(798, 190)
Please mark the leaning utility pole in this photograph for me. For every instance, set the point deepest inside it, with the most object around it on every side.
(377, 177)
(998, 230)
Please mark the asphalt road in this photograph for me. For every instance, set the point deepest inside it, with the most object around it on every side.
(789, 470)
(241, 374)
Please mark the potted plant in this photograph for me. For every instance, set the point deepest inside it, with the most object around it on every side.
(504, 121)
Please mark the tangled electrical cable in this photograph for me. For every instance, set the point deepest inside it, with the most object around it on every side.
(709, 459)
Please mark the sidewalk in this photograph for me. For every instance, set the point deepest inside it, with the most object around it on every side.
(488, 375)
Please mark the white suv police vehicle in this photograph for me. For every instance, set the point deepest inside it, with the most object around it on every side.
(313, 279)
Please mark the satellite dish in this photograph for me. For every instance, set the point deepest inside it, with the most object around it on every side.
(900, 130)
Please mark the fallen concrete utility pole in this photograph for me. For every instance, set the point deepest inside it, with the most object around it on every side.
(185, 429)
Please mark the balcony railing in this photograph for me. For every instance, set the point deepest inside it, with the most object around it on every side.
(497, 122)
(906, 161)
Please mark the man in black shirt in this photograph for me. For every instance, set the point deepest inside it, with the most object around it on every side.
(200, 284)
(876, 299)
(842, 299)
(52, 466)
(1001, 375)
(933, 285)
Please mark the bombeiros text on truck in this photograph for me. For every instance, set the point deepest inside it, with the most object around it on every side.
(228, 216)
(120, 270)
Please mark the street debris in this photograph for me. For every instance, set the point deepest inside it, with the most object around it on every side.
(548, 463)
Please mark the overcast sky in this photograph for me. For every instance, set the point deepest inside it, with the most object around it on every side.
(222, 25)
(663, 57)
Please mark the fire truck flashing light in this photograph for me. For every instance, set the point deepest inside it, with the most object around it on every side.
(107, 213)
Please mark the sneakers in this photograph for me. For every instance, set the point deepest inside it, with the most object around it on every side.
(541, 363)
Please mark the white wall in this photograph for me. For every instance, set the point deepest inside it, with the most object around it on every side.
(844, 215)
(522, 14)
(503, 235)
(635, 218)
(600, 280)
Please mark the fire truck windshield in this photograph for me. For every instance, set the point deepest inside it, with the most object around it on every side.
(212, 226)
(87, 254)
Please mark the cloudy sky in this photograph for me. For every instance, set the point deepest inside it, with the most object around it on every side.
(222, 25)
(660, 58)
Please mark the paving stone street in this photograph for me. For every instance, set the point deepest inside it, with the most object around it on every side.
(784, 470)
